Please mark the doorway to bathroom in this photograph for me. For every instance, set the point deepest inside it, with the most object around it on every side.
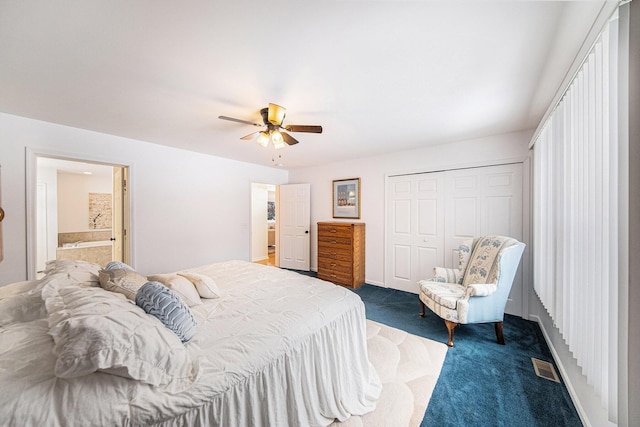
(81, 212)
(263, 224)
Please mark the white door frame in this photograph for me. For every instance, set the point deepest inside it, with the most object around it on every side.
(32, 154)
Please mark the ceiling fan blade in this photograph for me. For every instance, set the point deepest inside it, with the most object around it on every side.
(246, 122)
(250, 136)
(304, 128)
(288, 138)
(276, 114)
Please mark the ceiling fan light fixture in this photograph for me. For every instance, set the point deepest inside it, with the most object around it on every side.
(263, 139)
(272, 118)
(276, 114)
(278, 141)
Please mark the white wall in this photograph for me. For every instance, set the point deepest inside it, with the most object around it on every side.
(372, 172)
(188, 209)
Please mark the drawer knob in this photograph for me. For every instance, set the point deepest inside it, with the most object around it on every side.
(333, 230)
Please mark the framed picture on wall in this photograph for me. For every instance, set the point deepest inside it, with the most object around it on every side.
(346, 198)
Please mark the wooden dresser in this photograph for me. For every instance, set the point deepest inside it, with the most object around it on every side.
(341, 252)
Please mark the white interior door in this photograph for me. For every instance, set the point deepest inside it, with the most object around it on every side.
(415, 228)
(294, 225)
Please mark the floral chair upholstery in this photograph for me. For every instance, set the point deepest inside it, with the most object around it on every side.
(476, 291)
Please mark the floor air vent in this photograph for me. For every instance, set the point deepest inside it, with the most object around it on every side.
(545, 370)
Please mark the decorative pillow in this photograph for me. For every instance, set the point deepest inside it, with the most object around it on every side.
(205, 285)
(164, 304)
(180, 285)
(117, 264)
(122, 280)
(94, 329)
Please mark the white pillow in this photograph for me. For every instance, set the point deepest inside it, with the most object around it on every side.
(94, 329)
(180, 285)
(122, 280)
(205, 285)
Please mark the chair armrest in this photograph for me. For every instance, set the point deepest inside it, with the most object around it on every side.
(480, 289)
(446, 275)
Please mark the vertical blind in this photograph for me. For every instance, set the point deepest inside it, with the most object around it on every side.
(576, 216)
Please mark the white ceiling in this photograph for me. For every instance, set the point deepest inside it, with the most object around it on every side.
(378, 75)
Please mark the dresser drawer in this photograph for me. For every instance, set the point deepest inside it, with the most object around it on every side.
(337, 278)
(335, 266)
(335, 240)
(334, 246)
(330, 253)
(335, 231)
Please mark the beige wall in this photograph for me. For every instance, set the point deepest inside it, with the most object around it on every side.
(73, 198)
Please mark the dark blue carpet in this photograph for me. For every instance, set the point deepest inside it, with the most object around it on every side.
(482, 383)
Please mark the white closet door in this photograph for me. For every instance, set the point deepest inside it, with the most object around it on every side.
(482, 201)
(415, 230)
(430, 214)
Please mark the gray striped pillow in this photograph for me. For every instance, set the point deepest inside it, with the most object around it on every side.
(164, 304)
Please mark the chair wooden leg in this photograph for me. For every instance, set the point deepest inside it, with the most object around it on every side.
(450, 326)
(421, 308)
(499, 334)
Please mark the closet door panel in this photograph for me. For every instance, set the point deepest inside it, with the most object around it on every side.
(463, 206)
(415, 240)
(502, 214)
(499, 211)
(402, 263)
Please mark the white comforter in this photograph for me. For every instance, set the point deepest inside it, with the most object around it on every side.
(276, 349)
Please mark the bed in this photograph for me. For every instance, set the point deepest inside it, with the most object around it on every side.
(273, 348)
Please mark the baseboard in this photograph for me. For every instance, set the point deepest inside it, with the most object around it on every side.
(372, 282)
(563, 373)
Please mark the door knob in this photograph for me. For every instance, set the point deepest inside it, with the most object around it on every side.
(306, 232)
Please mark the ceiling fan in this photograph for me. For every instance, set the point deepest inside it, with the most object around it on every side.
(273, 116)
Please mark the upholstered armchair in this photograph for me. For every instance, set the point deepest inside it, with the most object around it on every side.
(476, 291)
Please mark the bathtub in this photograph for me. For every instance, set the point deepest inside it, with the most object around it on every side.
(86, 244)
(99, 252)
